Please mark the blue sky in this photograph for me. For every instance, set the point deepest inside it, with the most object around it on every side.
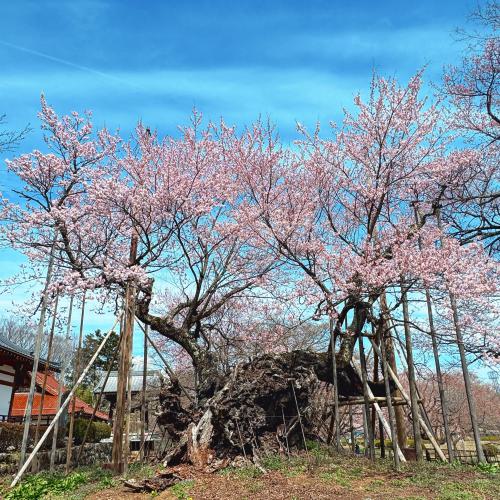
(129, 60)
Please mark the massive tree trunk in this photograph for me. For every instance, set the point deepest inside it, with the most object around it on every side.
(256, 409)
(255, 406)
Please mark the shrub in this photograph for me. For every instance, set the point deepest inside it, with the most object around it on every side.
(10, 435)
(490, 450)
(97, 431)
(387, 443)
(102, 431)
(491, 437)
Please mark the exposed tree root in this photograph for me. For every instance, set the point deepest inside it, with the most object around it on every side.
(257, 410)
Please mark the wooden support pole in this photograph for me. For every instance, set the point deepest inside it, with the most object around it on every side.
(63, 406)
(65, 365)
(411, 375)
(421, 406)
(69, 446)
(366, 395)
(36, 355)
(375, 380)
(298, 414)
(437, 363)
(46, 370)
(465, 370)
(98, 403)
(468, 387)
(390, 409)
(381, 416)
(429, 434)
(351, 425)
(286, 432)
(126, 445)
(381, 400)
(124, 365)
(121, 396)
(335, 388)
(143, 395)
(382, 438)
(391, 359)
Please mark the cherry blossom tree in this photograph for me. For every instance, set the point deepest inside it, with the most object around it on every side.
(341, 212)
(202, 227)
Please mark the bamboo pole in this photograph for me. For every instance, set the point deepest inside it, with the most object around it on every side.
(36, 355)
(411, 375)
(69, 445)
(46, 370)
(60, 389)
(63, 406)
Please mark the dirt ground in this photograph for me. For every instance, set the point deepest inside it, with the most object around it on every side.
(354, 479)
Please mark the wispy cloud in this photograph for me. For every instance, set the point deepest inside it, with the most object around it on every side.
(64, 62)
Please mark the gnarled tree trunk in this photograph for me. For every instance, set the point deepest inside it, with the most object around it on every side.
(256, 408)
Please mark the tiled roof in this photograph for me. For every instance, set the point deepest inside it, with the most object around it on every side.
(51, 384)
(13, 348)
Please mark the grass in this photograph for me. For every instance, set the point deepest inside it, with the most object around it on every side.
(75, 486)
(181, 490)
(318, 472)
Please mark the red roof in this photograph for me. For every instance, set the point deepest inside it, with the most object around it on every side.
(51, 385)
(49, 406)
(49, 401)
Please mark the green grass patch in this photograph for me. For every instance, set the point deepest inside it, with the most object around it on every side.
(181, 490)
(40, 485)
(74, 486)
